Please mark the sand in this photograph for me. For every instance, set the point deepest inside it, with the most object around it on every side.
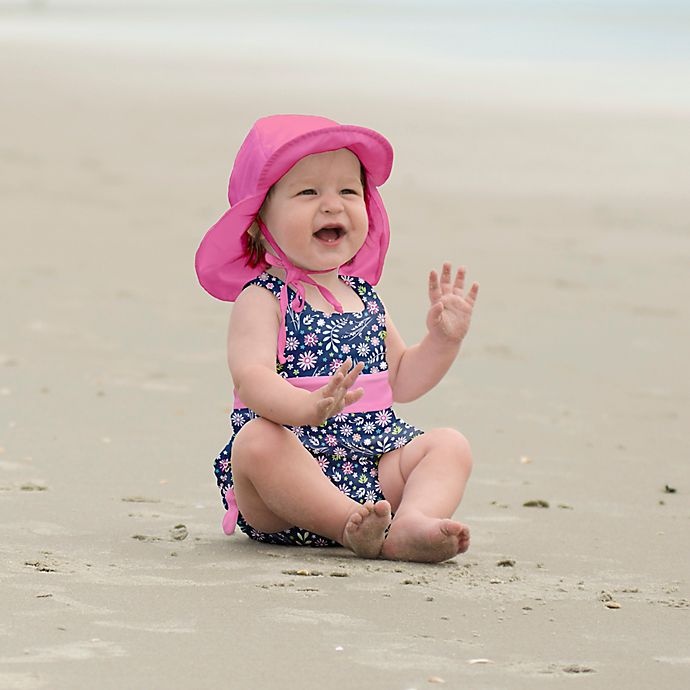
(572, 385)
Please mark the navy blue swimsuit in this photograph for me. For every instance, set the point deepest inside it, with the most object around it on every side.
(349, 445)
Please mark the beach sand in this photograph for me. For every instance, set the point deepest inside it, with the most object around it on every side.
(114, 392)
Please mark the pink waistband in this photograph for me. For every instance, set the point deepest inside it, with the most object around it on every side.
(377, 391)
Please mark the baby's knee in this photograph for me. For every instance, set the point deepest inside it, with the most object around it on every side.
(257, 439)
(455, 444)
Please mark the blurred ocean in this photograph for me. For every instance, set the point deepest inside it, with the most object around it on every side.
(640, 49)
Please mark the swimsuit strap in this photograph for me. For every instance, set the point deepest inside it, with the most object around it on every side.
(296, 278)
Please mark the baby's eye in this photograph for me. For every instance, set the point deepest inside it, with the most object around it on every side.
(307, 191)
(349, 191)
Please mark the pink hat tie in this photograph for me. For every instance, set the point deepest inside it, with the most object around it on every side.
(296, 278)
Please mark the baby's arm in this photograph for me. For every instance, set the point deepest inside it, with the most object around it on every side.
(252, 338)
(415, 370)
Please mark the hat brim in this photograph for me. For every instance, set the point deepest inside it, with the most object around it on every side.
(373, 150)
(221, 261)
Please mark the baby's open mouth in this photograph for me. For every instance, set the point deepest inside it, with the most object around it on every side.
(330, 233)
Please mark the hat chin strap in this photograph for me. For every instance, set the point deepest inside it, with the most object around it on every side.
(296, 278)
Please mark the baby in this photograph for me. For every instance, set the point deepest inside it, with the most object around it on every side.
(318, 456)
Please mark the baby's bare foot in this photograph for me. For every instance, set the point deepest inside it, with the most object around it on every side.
(365, 529)
(424, 539)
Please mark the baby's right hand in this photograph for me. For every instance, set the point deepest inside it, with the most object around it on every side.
(336, 395)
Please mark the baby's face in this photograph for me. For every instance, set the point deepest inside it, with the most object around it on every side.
(316, 211)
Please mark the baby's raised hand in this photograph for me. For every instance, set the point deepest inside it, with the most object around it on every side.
(451, 309)
(336, 395)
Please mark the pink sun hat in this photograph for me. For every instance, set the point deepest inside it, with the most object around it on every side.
(274, 144)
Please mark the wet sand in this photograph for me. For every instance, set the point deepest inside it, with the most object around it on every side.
(572, 387)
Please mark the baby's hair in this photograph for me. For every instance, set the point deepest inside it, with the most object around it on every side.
(252, 241)
(253, 246)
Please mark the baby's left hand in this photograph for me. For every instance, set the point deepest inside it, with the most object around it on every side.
(451, 309)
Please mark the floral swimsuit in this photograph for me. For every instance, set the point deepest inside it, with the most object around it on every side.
(348, 446)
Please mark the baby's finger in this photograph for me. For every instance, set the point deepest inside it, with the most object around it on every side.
(435, 313)
(459, 284)
(472, 294)
(324, 407)
(445, 278)
(434, 287)
(353, 396)
(334, 383)
(352, 375)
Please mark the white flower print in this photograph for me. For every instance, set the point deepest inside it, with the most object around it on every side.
(321, 323)
(307, 360)
(346, 430)
(372, 307)
(363, 349)
(383, 417)
(237, 419)
(291, 343)
(399, 442)
(369, 427)
(348, 468)
(357, 438)
(335, 364)
(371, 496)
(323, 461)
(342, 417)
(310, 339)
(381, 319)
(346, 349)
(331, 440)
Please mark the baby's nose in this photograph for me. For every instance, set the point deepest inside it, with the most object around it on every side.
(331, 203)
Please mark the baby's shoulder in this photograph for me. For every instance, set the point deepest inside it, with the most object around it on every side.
(256, 295)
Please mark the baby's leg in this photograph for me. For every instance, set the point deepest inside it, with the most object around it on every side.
(425, 481)
(278, 485)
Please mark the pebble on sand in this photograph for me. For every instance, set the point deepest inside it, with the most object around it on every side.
(179, 532)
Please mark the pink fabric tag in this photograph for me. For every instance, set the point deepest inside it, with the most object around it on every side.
(230, 517)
